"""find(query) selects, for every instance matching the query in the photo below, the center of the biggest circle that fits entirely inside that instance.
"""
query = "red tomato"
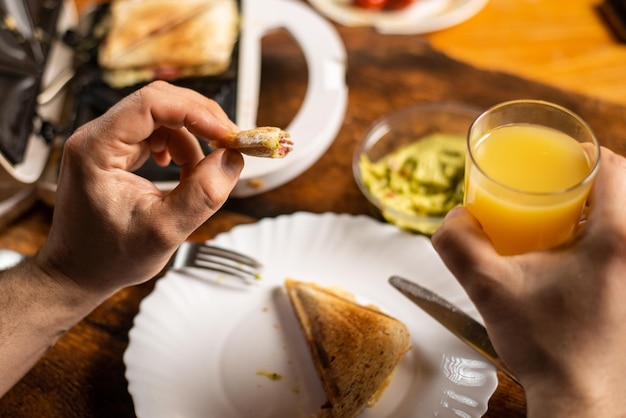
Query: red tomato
(370, 4)
(398, 4)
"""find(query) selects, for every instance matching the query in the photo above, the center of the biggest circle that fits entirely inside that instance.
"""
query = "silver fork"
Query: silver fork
(221, 260)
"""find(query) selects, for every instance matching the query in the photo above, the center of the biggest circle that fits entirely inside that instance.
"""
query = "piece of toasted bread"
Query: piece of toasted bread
(264, 141)
(355, 348)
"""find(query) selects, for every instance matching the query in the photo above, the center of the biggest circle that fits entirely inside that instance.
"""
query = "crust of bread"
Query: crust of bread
(355, 349)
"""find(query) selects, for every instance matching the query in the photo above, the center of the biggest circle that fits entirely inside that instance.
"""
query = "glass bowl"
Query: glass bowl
(410, 163)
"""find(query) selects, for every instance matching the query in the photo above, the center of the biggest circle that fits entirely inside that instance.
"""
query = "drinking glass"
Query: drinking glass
(530, 167)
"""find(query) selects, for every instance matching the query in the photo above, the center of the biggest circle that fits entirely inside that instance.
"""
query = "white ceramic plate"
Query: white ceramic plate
(421, 17)
(202, 345)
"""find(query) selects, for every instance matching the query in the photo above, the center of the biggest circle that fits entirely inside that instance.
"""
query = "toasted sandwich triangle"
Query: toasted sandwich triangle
(354, 348)
(140, 24)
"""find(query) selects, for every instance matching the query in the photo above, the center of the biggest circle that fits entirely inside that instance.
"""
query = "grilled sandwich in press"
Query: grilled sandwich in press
(167, 39)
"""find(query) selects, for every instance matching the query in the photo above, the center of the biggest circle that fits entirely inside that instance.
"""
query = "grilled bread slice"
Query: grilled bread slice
(355, 348)
(265, 141)
(167, 39)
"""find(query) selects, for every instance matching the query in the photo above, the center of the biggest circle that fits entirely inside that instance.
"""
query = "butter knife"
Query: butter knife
(459, 323)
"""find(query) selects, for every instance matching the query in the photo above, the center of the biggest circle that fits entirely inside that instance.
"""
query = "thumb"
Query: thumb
(465, 249)
(204, 190)
(608, 195)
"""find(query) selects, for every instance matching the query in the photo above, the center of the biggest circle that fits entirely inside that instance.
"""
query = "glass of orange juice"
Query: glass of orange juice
(530, 166)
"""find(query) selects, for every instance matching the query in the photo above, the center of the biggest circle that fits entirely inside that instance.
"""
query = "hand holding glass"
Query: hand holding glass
(530, 166)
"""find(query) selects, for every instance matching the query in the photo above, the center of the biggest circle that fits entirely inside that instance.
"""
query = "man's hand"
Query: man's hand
(112, 228)
(557, 317)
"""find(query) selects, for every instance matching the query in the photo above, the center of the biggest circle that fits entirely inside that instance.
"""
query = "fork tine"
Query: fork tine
(218, 262)
(229, 262)
(229, 254)
(221, 267)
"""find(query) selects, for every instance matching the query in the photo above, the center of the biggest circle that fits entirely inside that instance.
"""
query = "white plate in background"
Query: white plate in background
(423, 16)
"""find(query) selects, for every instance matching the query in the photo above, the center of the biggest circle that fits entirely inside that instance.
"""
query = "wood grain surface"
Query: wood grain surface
(83, 374)
(565, 44)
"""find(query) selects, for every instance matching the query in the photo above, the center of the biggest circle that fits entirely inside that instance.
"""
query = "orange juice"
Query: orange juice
(526, 185)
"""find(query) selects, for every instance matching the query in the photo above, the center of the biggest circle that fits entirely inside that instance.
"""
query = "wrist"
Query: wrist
(589, 399)
(45, 303)
(36, 308)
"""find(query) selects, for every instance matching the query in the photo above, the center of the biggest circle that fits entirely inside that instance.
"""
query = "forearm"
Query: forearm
(35, 310)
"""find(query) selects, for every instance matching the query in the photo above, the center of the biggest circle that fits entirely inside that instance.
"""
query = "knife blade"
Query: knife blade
(455, 320)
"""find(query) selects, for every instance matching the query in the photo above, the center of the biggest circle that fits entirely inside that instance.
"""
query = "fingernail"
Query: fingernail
(232, 163)
(454, 212)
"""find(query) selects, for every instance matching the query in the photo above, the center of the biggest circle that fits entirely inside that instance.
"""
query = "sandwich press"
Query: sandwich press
(33, 58)
(40, 73)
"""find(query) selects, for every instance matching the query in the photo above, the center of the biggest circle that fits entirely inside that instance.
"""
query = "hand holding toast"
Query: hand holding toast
(114, 214)
(112, 228)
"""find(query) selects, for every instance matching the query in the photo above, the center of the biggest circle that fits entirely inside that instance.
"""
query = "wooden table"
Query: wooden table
(83, 375)
(567, 45)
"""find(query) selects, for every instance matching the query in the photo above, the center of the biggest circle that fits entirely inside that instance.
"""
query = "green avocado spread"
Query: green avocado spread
(424, 178)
